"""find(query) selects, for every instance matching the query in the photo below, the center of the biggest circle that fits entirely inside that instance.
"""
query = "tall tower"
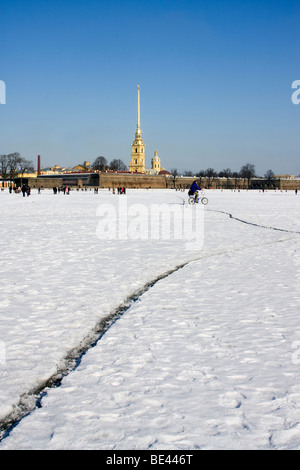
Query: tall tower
(155, 163)
(137, 163)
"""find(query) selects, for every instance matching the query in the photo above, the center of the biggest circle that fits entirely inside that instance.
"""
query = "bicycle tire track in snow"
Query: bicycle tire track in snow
(31, 400)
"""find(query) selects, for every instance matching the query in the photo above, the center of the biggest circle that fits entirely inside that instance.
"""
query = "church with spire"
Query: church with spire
(137, 163)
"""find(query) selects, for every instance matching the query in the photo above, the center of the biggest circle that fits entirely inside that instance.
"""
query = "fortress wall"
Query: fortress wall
(127, 180)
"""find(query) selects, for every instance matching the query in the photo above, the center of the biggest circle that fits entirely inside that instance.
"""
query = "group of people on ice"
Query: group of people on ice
(194, 190)
(119, 190)
(25, 190)
(63, 190)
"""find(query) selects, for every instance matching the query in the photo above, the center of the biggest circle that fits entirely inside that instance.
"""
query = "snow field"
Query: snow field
(206, 358)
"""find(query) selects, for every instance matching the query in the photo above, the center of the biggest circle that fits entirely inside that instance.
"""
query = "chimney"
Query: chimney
(39, 165)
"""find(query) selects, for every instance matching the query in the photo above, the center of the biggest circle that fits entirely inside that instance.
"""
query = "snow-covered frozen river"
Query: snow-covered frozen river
(207, 354)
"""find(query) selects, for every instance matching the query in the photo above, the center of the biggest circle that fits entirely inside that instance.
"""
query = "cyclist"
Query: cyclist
(194, 190)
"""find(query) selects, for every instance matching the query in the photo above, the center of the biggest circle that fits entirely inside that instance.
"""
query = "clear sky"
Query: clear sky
(215, 80)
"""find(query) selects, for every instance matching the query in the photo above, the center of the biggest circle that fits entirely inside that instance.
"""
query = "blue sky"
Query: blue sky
(215, 80)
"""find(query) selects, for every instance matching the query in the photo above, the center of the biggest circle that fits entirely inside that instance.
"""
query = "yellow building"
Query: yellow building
(155, 163)
(86, 166)
(137, 163)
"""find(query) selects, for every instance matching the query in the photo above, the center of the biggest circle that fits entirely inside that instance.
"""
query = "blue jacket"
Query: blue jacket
(195, 187)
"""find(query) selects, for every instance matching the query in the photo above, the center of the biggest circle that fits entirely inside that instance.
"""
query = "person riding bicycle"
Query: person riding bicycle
(194, 190)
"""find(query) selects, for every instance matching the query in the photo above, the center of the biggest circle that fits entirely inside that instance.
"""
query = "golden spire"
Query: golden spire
(138, 125)
(137, 163)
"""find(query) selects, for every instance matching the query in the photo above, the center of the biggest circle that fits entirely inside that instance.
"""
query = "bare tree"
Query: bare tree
(117, 165)
(247, 172)
(236, 176)
(210, 174)
(13, 164)
(226, 173)
(269, 175)
(4, 166)
(174, 172)
(100, 164)
(13, 160)
(25, 165)
(200, 175)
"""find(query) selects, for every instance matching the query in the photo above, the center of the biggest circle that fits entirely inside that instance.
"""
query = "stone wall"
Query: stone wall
(115, 180)
(289, 184)
(45, 183)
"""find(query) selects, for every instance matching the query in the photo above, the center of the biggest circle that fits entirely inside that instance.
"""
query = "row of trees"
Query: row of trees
(247, 172)
(101, 164)
(13, 164)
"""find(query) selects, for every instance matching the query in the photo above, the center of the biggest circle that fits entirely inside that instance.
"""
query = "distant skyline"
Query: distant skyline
(215, 80)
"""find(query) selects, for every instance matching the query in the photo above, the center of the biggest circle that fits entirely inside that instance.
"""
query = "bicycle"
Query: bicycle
(192, 199)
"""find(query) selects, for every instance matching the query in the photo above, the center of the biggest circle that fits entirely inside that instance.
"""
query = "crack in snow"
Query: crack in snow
(31, 400)
(252, 223)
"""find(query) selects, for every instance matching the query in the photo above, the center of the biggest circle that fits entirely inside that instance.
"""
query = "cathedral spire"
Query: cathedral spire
(138, 110)
(137, 163)
(138, 124)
